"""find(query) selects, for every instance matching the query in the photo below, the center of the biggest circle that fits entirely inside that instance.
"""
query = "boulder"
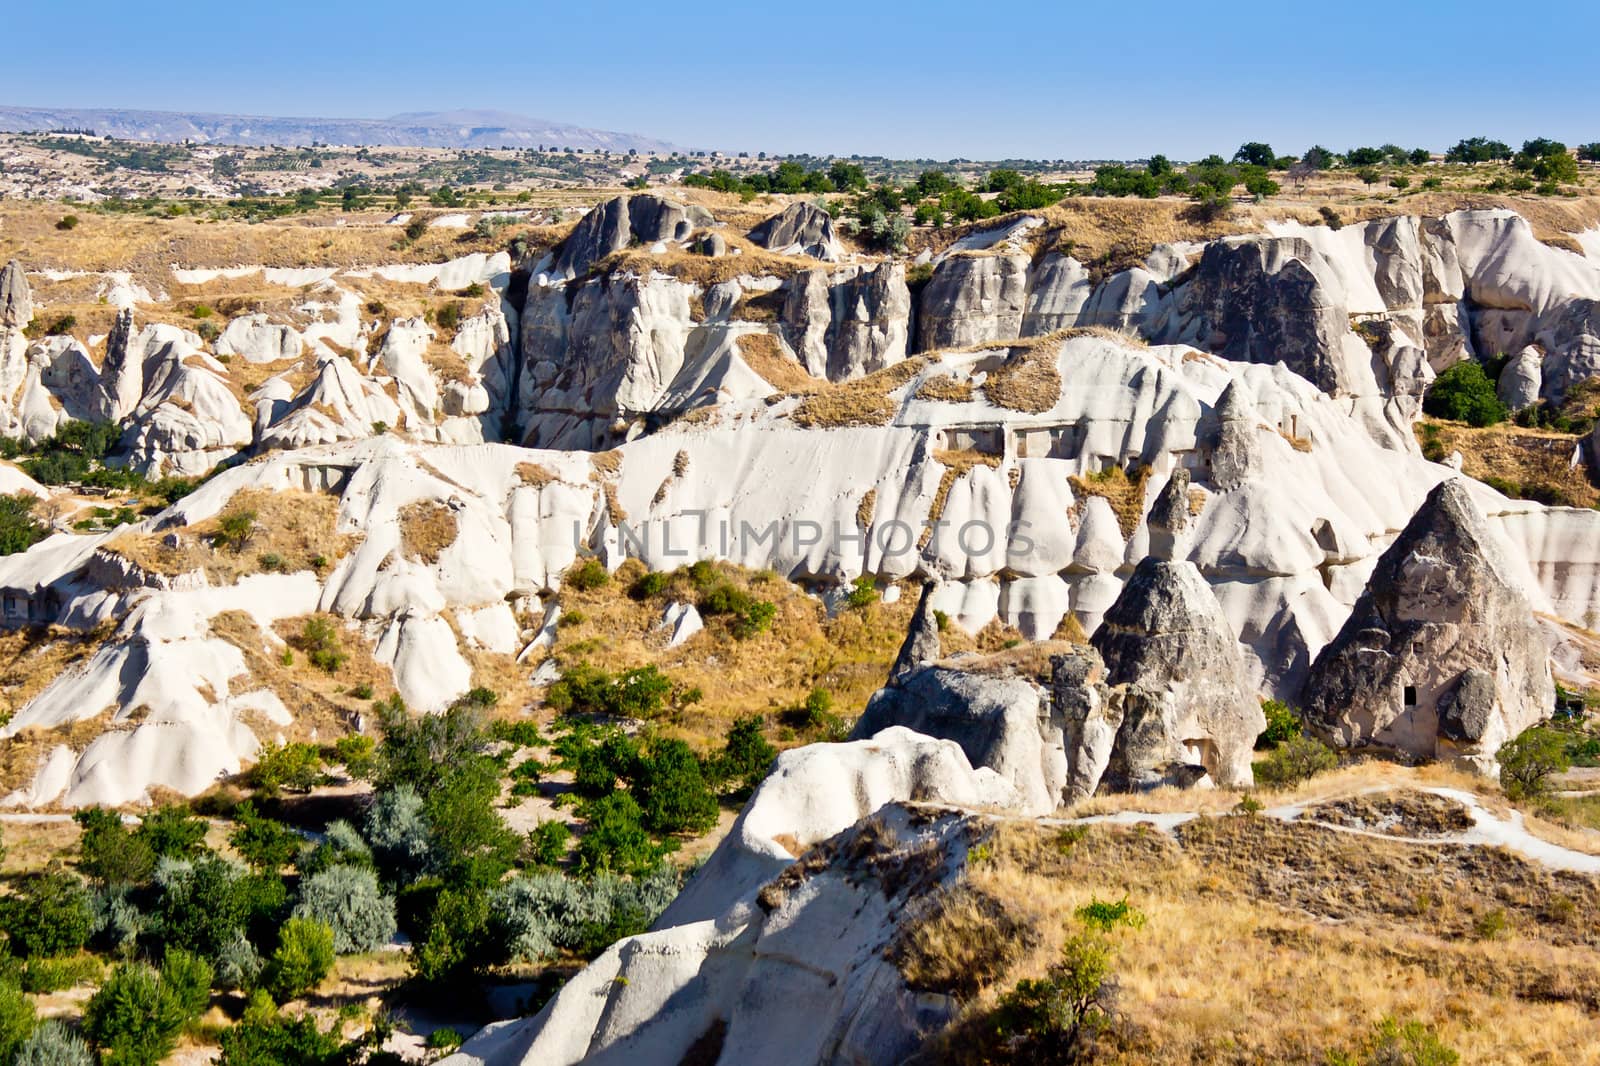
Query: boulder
(616, 224)
(1191, 703)
(1522, 379)
(802, 228)
(1442, 656)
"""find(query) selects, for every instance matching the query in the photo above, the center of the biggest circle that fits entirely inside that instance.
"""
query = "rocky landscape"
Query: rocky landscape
(1132, 496)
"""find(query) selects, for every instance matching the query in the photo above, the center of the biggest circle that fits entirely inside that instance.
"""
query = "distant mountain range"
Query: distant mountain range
(422, 129)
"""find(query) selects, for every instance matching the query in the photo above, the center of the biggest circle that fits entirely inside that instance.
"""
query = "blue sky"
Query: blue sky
(931, 79)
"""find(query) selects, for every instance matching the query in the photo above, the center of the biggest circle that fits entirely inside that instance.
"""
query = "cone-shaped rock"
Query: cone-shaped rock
(1166, 638)
(1442, 655)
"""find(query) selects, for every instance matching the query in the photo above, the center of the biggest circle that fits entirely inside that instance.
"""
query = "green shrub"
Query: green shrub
(52, 1044)
(201, 906)
(303, 957)
(348, 901)
(1105, 917)
(134, 1019)
(583, 689)
(341, 845)
(616, 840)
(1528, 762)
(547, 843)
(671, 790)
(234, 528)
(319, 639)
(263, 842)
(357, 754)
(294, 767)
(1283, 723)
(67, 222)
(588, 575)
(187, 978)
(1393, 1043)
(521, 734)
(47, 914)
(455, 932)
(279, 1040)
(173, 832)
(1464, 393)
(646, 586)
(45, 975)
(747, 615)
(108, 852)
(1297, 759)
(863, 593)
(17, 1018)
(443, 1039)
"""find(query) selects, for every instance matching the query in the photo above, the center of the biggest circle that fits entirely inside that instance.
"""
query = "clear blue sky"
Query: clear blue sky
(981, 80)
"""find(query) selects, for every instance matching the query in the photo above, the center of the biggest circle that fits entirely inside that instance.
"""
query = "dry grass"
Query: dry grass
(1124, 494)
(866, 509)
(763, 353)
(848, 655)
(1526, 463)
(32, 658)
(957, 464)
(22, 754)
(427, 528)
(536, 475)
(1271, 942)
(862, 402)
(296, 526)
(1027, 381)
(323, 705)
(945, 389)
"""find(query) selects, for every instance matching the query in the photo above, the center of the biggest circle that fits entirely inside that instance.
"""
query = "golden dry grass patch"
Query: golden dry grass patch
(298, 527)
(1517, 460)
(763, 353)
(864, 401)
(427, 528)
(1124, 494)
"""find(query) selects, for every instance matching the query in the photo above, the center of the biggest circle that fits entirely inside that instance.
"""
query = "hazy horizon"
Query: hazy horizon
(930, 81)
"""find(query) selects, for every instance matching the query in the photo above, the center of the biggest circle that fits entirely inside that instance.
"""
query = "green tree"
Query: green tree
(294, 767)
(1296, 759)
(1464, 393)
(263, 842)
(616, 839)
(746, 755)
(303, 957)
(671, 791)
(134, 1020)
(19, 530)
(1369, 176)
(1256, 154)
(47, 914)
(108, 852)
(187, 978)
(234, 528)
(1528, 762)
(1283, 723)
(173, 832)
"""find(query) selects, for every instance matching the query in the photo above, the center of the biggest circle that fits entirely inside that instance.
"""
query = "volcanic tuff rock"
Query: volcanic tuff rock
(736, 940)
(16, 300)
(802, 228)
(616, 224)
(1190, 700)
(1441, 655)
